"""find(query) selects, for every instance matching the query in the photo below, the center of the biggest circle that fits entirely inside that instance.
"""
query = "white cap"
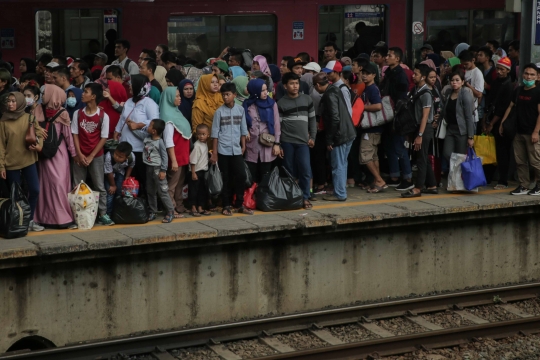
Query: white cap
(52, 65)
(313, 66)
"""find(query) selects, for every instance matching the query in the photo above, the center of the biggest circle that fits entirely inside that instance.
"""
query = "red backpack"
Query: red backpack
(357, 110)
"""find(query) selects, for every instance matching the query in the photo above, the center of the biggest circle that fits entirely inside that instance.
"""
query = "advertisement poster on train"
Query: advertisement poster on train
(298, 30)
(537, 27)
(7, 38)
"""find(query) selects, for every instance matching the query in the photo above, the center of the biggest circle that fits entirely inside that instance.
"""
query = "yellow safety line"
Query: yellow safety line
(257, 213)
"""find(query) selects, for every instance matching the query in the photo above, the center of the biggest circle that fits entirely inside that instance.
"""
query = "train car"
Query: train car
(202, 29)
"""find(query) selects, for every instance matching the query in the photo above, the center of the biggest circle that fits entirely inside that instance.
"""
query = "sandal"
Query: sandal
(375, 189)
(244, 210)
(178, 215)
(168, 218)
(152, 217)
(205, 213)
(307, 205)
(500, 187)
(362, 186)
(195, 214)
(227, 211)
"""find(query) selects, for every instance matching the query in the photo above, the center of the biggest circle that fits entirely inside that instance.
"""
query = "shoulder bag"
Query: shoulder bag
(30, 138)
(265, 139)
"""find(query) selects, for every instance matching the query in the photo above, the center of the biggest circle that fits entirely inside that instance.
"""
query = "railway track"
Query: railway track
(462, 309)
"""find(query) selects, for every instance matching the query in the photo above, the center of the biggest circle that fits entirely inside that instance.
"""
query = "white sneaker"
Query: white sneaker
(35, 227)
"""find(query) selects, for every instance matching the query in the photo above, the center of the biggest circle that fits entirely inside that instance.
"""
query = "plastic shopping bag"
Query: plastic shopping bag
(249, 197)
(214, 180)
(472, 171)
(455, 182)
(277, 192)
(130, 186)
(84, 205)
(484, 146)
(130, 210)
(14, 214)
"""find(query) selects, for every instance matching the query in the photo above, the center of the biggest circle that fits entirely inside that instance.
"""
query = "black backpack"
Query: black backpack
(404, 118)
(53, 141)
(352, 95)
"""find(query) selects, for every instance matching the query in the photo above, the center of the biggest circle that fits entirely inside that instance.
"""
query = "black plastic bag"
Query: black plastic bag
(278, 193)
(130, 210)
(14, 214)
(214, 181)
(249, 178)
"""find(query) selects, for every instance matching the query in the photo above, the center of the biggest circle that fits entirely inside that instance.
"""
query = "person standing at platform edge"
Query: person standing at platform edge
(423, 110)
(340, 133)
(526, 145)
(120, 51)
(298, 132)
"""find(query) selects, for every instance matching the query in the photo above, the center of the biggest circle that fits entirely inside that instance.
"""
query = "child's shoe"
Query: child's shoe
(168, 218)
(152, 216)
(105, 220)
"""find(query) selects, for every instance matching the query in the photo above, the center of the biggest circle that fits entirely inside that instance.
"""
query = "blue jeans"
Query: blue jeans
(30, 174)
(296, 161)
(118, 179)
(338, 160)
(398, 156)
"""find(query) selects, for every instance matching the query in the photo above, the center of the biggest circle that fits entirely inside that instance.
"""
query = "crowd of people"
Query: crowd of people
(164, 120)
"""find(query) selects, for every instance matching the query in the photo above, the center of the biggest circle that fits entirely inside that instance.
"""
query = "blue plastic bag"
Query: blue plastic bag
(472, 171)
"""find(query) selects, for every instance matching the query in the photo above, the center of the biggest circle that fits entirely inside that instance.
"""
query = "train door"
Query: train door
(355, 29)
(73, 32)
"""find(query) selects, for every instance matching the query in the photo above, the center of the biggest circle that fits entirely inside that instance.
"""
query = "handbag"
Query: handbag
(472, 171)
(484, 145)
(441, 130)
(265, 139)
(30, 138)
(378, 118)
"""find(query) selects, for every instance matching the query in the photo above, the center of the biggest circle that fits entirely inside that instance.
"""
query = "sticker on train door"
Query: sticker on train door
(298, 30)
(7, 38)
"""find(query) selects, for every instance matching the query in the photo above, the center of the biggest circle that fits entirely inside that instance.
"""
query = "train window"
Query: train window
(203, 37)
(446, 29)
(43, 33)
(341, 25)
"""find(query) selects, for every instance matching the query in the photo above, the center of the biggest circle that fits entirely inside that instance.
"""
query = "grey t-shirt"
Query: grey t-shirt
(425, 100)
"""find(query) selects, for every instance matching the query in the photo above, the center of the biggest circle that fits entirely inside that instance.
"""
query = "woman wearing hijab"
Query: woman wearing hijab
(241, 83)
(207, 101)
(53, 208)
(114, 96)
(177, 137)
(160, 75)
(16, 158)
(461, 47)
(187, 93)
(236, 71)
(27, 66)
(262, 117)
(74, 100)
(173, 77)
(137, 114)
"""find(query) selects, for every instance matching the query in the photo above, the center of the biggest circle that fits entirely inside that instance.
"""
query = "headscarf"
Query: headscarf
(141, 87)
(170, 113)
(436, 60)
(206, 100)
(503, 53)
(461, 47)
(187, 103)
(453, 61)
(430, 63)
(174, 76)
(241, 83)
(276, 74)
(159, 75)
(30, 66)
(263, 65)
(447, 54)
(265, 107)
(346, 60)
(237, 71)
(118, 93)
(79, 105)
(19, 111)
(53, 99)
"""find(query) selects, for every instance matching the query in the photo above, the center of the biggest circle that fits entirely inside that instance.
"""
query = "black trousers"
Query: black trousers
(139, 172)
(197, 190)
(234, 178)
(425, 175)
(258, 169)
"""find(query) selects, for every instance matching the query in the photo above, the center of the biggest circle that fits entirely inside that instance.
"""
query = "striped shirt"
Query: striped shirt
(297, 118)
(228, 126)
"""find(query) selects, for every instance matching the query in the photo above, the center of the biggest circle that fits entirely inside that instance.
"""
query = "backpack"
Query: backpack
(404, 118)
(357, 110)
(247, 55)
(53, 141)
(126, 65)
(351, 94)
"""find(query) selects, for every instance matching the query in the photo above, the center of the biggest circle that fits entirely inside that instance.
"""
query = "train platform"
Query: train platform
(360, 208)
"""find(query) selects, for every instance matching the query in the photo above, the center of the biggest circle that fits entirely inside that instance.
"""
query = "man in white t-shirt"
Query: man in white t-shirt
(474, 78)
(120, 50)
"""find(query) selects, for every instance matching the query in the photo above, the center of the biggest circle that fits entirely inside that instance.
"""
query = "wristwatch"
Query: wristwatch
(420, 134)
(471, 137)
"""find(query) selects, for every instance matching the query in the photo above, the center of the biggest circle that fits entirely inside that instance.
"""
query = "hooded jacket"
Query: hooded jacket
(337, 121)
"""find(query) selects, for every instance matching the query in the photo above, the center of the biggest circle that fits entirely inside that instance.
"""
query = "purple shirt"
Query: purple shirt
(254, 149)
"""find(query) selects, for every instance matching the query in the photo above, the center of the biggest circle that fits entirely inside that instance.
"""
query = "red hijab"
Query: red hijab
(118, 93)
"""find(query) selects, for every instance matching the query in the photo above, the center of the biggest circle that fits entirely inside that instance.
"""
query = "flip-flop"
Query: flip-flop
(411, 194)
(307, 205)
(205, 213)
(168, 218)
(244, 210)
(227, 211)
(195, 214)
(375, 189)
(178, 216)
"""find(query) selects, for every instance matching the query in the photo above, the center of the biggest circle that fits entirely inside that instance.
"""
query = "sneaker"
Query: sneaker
(404, 185)
(535, 191)
(73, 227)
(520, 190)
(105, 220)
(35, 227)
(393, 183)
(321, 191)
(332, 198)
(152, 216)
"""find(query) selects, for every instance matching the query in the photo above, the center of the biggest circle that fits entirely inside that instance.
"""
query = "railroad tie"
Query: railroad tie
(276, 344)
(222, 351)
(424, 323)
(467, 315)
(515, 310)
(326, 336)
(374, 328)
(162, 354)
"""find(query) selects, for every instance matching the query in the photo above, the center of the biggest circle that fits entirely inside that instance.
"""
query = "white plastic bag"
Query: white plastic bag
(455, 182)
(84, 206)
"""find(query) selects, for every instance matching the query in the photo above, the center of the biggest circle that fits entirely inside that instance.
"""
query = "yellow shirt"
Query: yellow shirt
(14, 154)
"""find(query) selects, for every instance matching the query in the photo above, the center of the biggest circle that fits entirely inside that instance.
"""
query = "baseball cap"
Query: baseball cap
(296, 61)
(221, 65)
(102, 56)
(370, 69)
(333, 66)
(505, 62)
(313, 66)
(52, 65)
(427, 46)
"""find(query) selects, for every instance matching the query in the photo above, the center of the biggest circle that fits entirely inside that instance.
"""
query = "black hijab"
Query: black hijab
(30, 66)
(175, 76)
(139, 85)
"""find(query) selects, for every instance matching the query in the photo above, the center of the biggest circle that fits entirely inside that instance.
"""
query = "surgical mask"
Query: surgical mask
(29, 101)
(528, 83)
(71, 102)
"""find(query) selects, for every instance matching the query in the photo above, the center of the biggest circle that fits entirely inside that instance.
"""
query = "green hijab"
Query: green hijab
(454, 61)
(170, 113)
(241, 84)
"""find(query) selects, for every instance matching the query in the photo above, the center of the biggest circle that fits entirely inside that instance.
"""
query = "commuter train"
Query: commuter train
(203, 28)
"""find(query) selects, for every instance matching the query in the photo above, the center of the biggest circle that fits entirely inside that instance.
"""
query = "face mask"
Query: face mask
(71, 102)
(29, 101)
(528, 83)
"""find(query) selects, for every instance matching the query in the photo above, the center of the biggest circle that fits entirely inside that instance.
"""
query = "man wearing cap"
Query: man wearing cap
(48, 72)
(100, 60)
(333, 69)
(312, 68)
(296, 66)
(220, 67)
(340, 132)
(425, 50)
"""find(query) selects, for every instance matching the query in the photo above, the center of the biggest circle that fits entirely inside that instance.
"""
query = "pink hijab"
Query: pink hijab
(261, 60)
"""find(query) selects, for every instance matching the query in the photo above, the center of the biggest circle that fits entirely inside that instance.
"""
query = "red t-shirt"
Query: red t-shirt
(89, 131)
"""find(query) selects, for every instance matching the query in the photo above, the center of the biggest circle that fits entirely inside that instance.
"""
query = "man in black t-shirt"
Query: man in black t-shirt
(526, 145)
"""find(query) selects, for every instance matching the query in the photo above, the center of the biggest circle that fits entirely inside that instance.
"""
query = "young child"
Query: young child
(90, 128)
(117, 167)
(198, 160)
(229, 131)
(156, 159)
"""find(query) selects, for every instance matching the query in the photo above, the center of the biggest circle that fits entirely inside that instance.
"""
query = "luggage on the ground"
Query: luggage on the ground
(276, 192)
(130, 186)
(484, 146)
(130, 210)
(14, 214)
(472, 171)
(455, 181)
(84, 204)
(214, 181)
(249, 197)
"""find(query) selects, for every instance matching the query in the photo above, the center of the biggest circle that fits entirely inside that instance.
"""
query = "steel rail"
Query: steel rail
(141, 344)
